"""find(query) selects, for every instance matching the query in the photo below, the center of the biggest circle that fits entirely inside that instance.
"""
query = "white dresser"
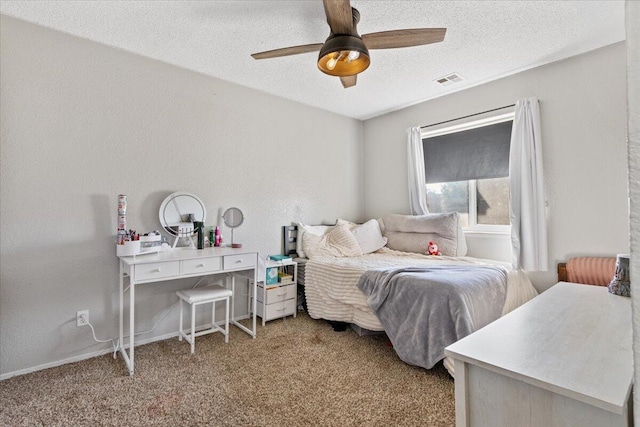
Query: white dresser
(562, 359)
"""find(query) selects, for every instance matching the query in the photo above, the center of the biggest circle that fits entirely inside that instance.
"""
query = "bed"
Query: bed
(332, 293)
(332, 279)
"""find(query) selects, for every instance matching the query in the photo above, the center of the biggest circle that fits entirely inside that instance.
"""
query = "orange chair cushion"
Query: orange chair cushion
(591, 270)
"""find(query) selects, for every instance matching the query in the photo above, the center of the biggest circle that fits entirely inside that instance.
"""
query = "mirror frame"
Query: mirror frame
(231, 211)
(173, 200)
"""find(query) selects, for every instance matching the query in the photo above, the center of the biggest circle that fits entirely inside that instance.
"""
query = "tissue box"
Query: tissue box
(272, 276)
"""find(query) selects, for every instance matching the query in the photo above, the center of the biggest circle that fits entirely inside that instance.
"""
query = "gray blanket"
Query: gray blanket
(423, 310)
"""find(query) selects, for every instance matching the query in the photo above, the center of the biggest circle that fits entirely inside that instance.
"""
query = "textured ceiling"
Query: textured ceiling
(485, 40)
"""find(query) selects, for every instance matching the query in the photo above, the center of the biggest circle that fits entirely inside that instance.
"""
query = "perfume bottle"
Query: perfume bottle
(217, 236)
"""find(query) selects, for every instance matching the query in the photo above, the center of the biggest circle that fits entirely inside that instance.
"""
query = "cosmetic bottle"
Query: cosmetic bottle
(217, 236)
(199, 227)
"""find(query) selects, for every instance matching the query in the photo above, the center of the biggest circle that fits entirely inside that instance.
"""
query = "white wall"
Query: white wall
(633, 105)
(583, 114)
(82, 122)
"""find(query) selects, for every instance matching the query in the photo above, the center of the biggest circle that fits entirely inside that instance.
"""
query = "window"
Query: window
(486, 210)
(467, 171)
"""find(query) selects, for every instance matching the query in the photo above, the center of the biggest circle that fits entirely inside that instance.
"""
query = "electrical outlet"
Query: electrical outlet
(82, 318)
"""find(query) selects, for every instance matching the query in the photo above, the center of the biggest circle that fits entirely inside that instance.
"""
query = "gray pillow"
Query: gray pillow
(412, 233)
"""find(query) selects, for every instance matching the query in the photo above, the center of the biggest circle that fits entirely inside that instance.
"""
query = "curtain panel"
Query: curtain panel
(415, 160)
(527, 204)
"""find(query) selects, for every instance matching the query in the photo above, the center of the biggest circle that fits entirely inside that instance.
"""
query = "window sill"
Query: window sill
(482, 233)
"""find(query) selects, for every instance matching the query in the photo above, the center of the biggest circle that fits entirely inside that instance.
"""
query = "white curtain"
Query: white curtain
(417, 187)
(527, 210)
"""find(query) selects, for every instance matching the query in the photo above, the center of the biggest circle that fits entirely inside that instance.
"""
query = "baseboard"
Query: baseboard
(101, 352)
(82, 357)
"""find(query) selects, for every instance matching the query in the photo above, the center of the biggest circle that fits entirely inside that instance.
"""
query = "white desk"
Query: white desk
(564, 358)
(178, 264)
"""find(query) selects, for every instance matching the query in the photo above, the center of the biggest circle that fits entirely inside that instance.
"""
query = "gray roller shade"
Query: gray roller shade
(478, 153)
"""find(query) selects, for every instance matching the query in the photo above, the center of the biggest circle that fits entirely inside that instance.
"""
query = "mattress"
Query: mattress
(331, 284)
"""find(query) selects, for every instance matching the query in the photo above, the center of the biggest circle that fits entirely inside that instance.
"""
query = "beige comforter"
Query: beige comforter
(331, 284)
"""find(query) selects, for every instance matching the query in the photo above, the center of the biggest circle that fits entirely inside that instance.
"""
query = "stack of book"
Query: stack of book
(279, 257)
(285, 279)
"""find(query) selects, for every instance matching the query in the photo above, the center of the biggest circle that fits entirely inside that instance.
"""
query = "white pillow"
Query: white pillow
(349, 224)
(369, 236)
(317, 230)
(338, 242)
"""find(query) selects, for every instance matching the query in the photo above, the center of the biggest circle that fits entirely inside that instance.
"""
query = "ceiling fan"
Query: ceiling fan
(346, 54)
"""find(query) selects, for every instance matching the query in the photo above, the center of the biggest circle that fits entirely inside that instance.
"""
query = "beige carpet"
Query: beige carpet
(296, 372)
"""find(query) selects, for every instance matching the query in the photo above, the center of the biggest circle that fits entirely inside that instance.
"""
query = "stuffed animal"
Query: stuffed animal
(432, 249)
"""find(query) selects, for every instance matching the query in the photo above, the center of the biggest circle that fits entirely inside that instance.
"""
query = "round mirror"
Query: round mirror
(233, 217)
(178, 212)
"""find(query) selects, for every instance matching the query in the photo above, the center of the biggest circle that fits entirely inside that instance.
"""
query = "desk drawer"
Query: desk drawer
(232, 262)
(201, 265)
(157, 270)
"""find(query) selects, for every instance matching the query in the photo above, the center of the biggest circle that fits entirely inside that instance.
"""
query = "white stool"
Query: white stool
(196, 297)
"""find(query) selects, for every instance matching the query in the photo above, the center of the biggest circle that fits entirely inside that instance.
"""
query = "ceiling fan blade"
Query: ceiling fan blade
(403, 38)
(339, 16)
(286, 51)
(349, 81)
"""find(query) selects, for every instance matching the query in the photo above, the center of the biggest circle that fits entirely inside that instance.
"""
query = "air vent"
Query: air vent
(449, 79)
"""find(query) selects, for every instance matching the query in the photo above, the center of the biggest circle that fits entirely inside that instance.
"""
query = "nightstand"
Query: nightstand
(277, 294)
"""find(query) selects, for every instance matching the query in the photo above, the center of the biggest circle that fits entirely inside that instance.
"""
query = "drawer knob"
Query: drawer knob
(200, 265)
(157, 270)
(281, 294)
(239, 261)
(280, 309)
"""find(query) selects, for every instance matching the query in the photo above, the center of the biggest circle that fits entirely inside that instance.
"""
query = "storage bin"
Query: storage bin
(130, 248)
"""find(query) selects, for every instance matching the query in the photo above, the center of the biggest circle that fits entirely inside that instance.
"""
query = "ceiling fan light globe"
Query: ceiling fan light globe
(343, 55)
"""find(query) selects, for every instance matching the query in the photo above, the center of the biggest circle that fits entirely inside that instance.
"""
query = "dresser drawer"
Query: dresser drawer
(276, 310)
(201, 265)
(239, 261)
(156, 270)
(278, 294)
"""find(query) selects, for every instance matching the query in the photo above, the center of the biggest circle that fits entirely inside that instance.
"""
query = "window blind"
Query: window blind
(478, 153)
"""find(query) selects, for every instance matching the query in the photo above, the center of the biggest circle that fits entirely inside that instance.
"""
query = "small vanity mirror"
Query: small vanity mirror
(232, 218)
(178, 213)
